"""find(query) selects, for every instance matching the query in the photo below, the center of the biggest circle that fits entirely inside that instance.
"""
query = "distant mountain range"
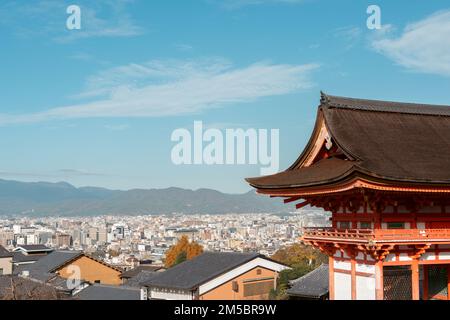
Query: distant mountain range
(63, 199)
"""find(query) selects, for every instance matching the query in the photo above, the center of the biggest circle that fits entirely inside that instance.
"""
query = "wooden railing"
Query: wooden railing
(417, 234)
(363, 235)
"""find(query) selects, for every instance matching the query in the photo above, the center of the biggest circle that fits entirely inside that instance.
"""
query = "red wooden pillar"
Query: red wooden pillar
(377, 220)
(425, 282)
(379, 289)
(331, 277)
(415, 279)
(353, 276)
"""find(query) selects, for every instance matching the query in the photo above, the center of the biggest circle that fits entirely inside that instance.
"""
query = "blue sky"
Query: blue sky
(97, 106)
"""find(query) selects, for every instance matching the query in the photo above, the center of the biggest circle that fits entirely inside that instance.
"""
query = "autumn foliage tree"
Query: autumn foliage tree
(302, 259)
(300, 254)
(181, 251)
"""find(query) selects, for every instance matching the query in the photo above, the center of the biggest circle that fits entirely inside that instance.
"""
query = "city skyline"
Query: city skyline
(149, 237)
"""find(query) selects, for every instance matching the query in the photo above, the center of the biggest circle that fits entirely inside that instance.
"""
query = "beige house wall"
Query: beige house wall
(6, 265)
(91, 270)
(226, 292)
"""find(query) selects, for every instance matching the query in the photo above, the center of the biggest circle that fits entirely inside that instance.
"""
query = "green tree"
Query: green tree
(181, 257)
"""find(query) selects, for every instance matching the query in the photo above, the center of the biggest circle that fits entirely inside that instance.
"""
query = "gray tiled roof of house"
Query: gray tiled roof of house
(35, 247)
(141, 278)
(135, 271)
(190, 274)
(19, 257)
(42, 269)
(311, 285)
(105, 292)
(4, 253)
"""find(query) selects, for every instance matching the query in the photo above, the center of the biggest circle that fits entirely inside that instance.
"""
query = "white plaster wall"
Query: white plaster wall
(444, 255)
(155, 294)
(365, 288)
(390, 257)
(343, 265)
(342, 286)
(404, 257)
(428, 256)
(366, 268)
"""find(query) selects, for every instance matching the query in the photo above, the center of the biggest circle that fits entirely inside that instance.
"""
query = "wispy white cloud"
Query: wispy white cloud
(349, 36)
(102, 18)
(172, 87)
(423, 46)
(183, 47)
(349, 33)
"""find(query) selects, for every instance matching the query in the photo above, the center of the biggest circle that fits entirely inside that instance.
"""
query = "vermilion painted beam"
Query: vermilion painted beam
(301, 205)
(291, 199)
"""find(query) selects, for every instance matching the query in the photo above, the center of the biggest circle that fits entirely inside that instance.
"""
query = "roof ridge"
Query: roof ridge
(384, 105)
(121, 287)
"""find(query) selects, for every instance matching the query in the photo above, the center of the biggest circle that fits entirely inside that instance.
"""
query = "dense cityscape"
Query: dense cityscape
(126, 241)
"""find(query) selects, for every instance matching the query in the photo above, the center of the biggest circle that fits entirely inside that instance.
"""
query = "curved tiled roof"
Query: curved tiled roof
(391, 142)
(324, 171)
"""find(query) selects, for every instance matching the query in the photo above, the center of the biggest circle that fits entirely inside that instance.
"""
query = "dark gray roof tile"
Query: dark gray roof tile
(43, 268)
(390, 142)
(135, 271)
(190, 274)
(5, 253)
(141, 278)
(311, 285)
(104, 292)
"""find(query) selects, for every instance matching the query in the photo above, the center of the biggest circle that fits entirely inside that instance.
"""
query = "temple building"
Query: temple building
(383, 170)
